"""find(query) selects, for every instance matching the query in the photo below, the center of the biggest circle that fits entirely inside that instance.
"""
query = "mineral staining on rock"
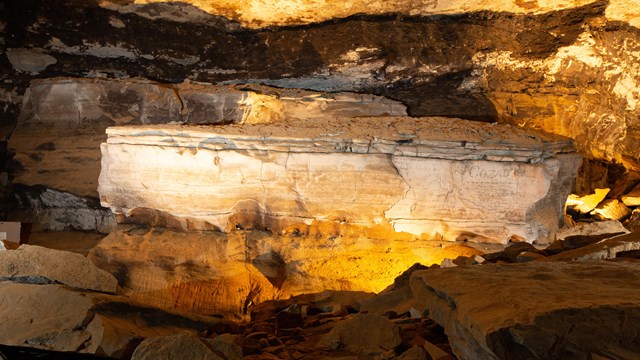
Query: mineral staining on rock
(440, 178)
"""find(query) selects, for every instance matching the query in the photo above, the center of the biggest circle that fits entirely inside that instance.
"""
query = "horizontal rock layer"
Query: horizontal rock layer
(557, 310)
(439, 177)
(63, 121)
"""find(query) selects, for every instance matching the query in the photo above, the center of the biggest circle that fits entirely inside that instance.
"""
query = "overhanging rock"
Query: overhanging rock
(435, 177)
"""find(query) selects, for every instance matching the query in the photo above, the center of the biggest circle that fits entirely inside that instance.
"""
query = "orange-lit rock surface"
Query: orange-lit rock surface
(217, 273)
(432, 177)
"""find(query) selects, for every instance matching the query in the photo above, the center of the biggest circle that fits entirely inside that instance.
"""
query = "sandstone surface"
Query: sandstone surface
(633, 197)
(64, 267)
(56, 317)
(440, 178)
(363, 332)
(228, 274)
(551, 310)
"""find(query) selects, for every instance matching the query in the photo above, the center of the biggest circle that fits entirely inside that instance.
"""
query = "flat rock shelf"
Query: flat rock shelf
(432, 177)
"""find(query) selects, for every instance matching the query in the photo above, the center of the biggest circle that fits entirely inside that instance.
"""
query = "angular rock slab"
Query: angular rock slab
(574, 310)
(62, 120)
(443, 178)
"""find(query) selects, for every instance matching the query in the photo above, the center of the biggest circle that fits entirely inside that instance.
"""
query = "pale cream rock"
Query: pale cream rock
(440, 178)
(624, 10)
(262, 13)
(611, 209)
(62, 121)
(62, 266)
(595, 228)
(535, 310)
(633, 197)
(584, 204)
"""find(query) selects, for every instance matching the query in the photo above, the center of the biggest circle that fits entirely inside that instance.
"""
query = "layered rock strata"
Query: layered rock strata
(435, 177)
(63, 120)
(535, 310)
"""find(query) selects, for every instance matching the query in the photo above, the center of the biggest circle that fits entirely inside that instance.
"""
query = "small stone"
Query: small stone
(633, 197)
(584, 204)
(611, 210)
(448, 263)
(633, 223)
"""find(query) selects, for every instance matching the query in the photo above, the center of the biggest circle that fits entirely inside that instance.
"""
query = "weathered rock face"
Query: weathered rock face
(33, 262)
(63, 121)
(567, 66)
(216, 273)
(441, 178)
(556, 310)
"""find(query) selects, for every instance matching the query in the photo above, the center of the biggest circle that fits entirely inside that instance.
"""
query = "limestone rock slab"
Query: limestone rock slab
(442, 178)
(64, 267)
(63, 120)
(604, 249)
(558, 310)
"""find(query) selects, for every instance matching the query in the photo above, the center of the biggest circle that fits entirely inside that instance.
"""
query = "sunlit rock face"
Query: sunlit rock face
(433, 177)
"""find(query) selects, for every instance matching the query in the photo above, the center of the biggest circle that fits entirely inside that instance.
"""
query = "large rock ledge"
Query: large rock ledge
(536, 310)
(436, 177)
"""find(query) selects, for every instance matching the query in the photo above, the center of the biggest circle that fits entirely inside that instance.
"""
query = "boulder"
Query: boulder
(632, 198)
(584, 204)
(182, 346)
(611, 209)
(491, 183)
(59, 266)
(551, 310)
(633, 223)
(363, 333)
(56, 317)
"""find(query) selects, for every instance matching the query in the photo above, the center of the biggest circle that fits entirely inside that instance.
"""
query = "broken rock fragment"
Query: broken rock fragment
(435, 177)
(557, 310)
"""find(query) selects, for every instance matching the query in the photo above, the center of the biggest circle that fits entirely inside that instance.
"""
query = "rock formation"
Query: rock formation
(549, 310)
(440, 178)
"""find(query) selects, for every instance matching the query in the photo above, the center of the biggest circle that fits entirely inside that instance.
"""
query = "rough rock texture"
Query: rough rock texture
(51, 210)
(179, 347)
(59, 266)
(594, 228)
(215, 273)
(605, 249)
(552, 310)
(633, 197)
(441, 178)
(568, 66)
(364, 331)
(63, 121)
(58, 318)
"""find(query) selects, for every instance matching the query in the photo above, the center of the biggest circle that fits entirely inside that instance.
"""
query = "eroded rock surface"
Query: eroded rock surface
(227, 274)
(56, 317)
(63, 267)
(551, 310)
(440, 178)
(62, 121)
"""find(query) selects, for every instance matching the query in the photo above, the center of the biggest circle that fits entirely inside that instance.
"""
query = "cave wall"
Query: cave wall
(567, 66)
